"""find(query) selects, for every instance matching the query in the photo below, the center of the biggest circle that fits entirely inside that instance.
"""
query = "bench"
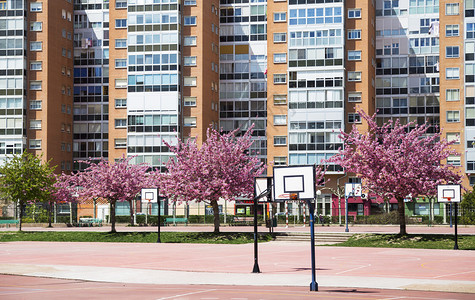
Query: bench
(8, 222)
(243, 221)
(175, 221)
(89, 222)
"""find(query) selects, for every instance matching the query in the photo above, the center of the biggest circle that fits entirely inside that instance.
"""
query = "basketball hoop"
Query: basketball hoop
(289, 196)
(448, 198)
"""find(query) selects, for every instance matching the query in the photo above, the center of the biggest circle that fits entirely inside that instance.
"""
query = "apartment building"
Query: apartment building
(84, 79)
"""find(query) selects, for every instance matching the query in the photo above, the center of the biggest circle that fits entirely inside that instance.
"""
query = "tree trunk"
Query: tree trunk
(402, 216)
(214, 204)
(131, 213)
(50, 211)
(112, 216)
(21, 214)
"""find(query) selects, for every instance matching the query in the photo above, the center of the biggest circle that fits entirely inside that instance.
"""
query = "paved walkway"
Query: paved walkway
(281, 263)
(414, 229)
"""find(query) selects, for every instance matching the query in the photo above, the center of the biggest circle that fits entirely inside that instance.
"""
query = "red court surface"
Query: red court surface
(16, 287)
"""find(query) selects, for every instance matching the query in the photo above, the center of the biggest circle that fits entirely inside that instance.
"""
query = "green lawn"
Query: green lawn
(134, 237)
(423, 241)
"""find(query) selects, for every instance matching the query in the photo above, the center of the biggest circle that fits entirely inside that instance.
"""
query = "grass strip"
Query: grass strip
(135, 237)
(421, 241)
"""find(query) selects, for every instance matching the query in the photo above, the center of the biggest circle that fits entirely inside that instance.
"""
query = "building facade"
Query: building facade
(85, 79)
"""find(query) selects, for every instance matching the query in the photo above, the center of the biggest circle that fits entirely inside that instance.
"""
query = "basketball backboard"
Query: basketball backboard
(261, 184)
(149, 195)
(294, 181)
(447, 193)
(352, 189)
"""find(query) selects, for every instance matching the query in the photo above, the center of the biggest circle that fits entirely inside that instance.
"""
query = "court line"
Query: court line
(440, 276)
(188, 294)
(356, 268)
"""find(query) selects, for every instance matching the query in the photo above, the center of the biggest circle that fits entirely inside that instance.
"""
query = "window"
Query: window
(354, 34)
(280, 37)
(190, 2)
(354, 97)
(451, 51)
(120, 103)
(354, 55)
(63, 14)
(280, 120)
(280, 78)
(280, 58)
(354, 76)
(190, 60)
(453, 137)
(189, 101)
(36, 6)
(451, 9)
(120, 123)
(190, 20)
(36, 46)
(121, 43)
(354, 118)
(35, 144)
(37, 26)
(280, 140)
(452, 73)
(280, 17)
(189, 81)
(35, 104)
(354, 13)
(190, 41)
(453, 116)
(453, 160)
(120, 143)
(121, 23)
(35, 85)
(69, 16)
(280, 99)
(280, 160)
(452, 30)
(189, 121)
(121, 83)
(120, 3)
(36, 65)
(452, 95)
(121, 63)
(35, 124)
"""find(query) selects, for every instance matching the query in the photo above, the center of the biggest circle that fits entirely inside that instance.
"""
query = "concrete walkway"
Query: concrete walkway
(281, 263)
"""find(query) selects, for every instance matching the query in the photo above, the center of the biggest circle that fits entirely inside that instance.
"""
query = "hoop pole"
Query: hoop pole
(158, 216)
(313, 284)
(255, 269)
(456, 246)
(304, 213)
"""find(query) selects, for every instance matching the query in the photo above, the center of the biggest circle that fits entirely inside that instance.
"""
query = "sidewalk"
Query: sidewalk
(281, 263)
(411, 229)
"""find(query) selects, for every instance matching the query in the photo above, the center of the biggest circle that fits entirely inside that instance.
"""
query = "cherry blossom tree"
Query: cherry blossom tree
(220, 169)
(395, 160)
(113, 181)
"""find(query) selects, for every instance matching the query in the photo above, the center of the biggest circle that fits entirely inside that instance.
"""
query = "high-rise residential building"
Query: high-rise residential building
(135, 73)
(36, 80)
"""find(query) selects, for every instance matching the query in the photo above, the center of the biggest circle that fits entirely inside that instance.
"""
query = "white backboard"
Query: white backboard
(261, 185)
(352, 189)
(448, 191)
(149, 195)
(294, 180)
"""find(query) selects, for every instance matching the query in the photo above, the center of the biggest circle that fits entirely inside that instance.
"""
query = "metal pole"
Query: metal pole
(456, 246)
(158, 216)
(313, 284)
(450, 213)
(346, 214)
(255, 269)
(286, 215)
